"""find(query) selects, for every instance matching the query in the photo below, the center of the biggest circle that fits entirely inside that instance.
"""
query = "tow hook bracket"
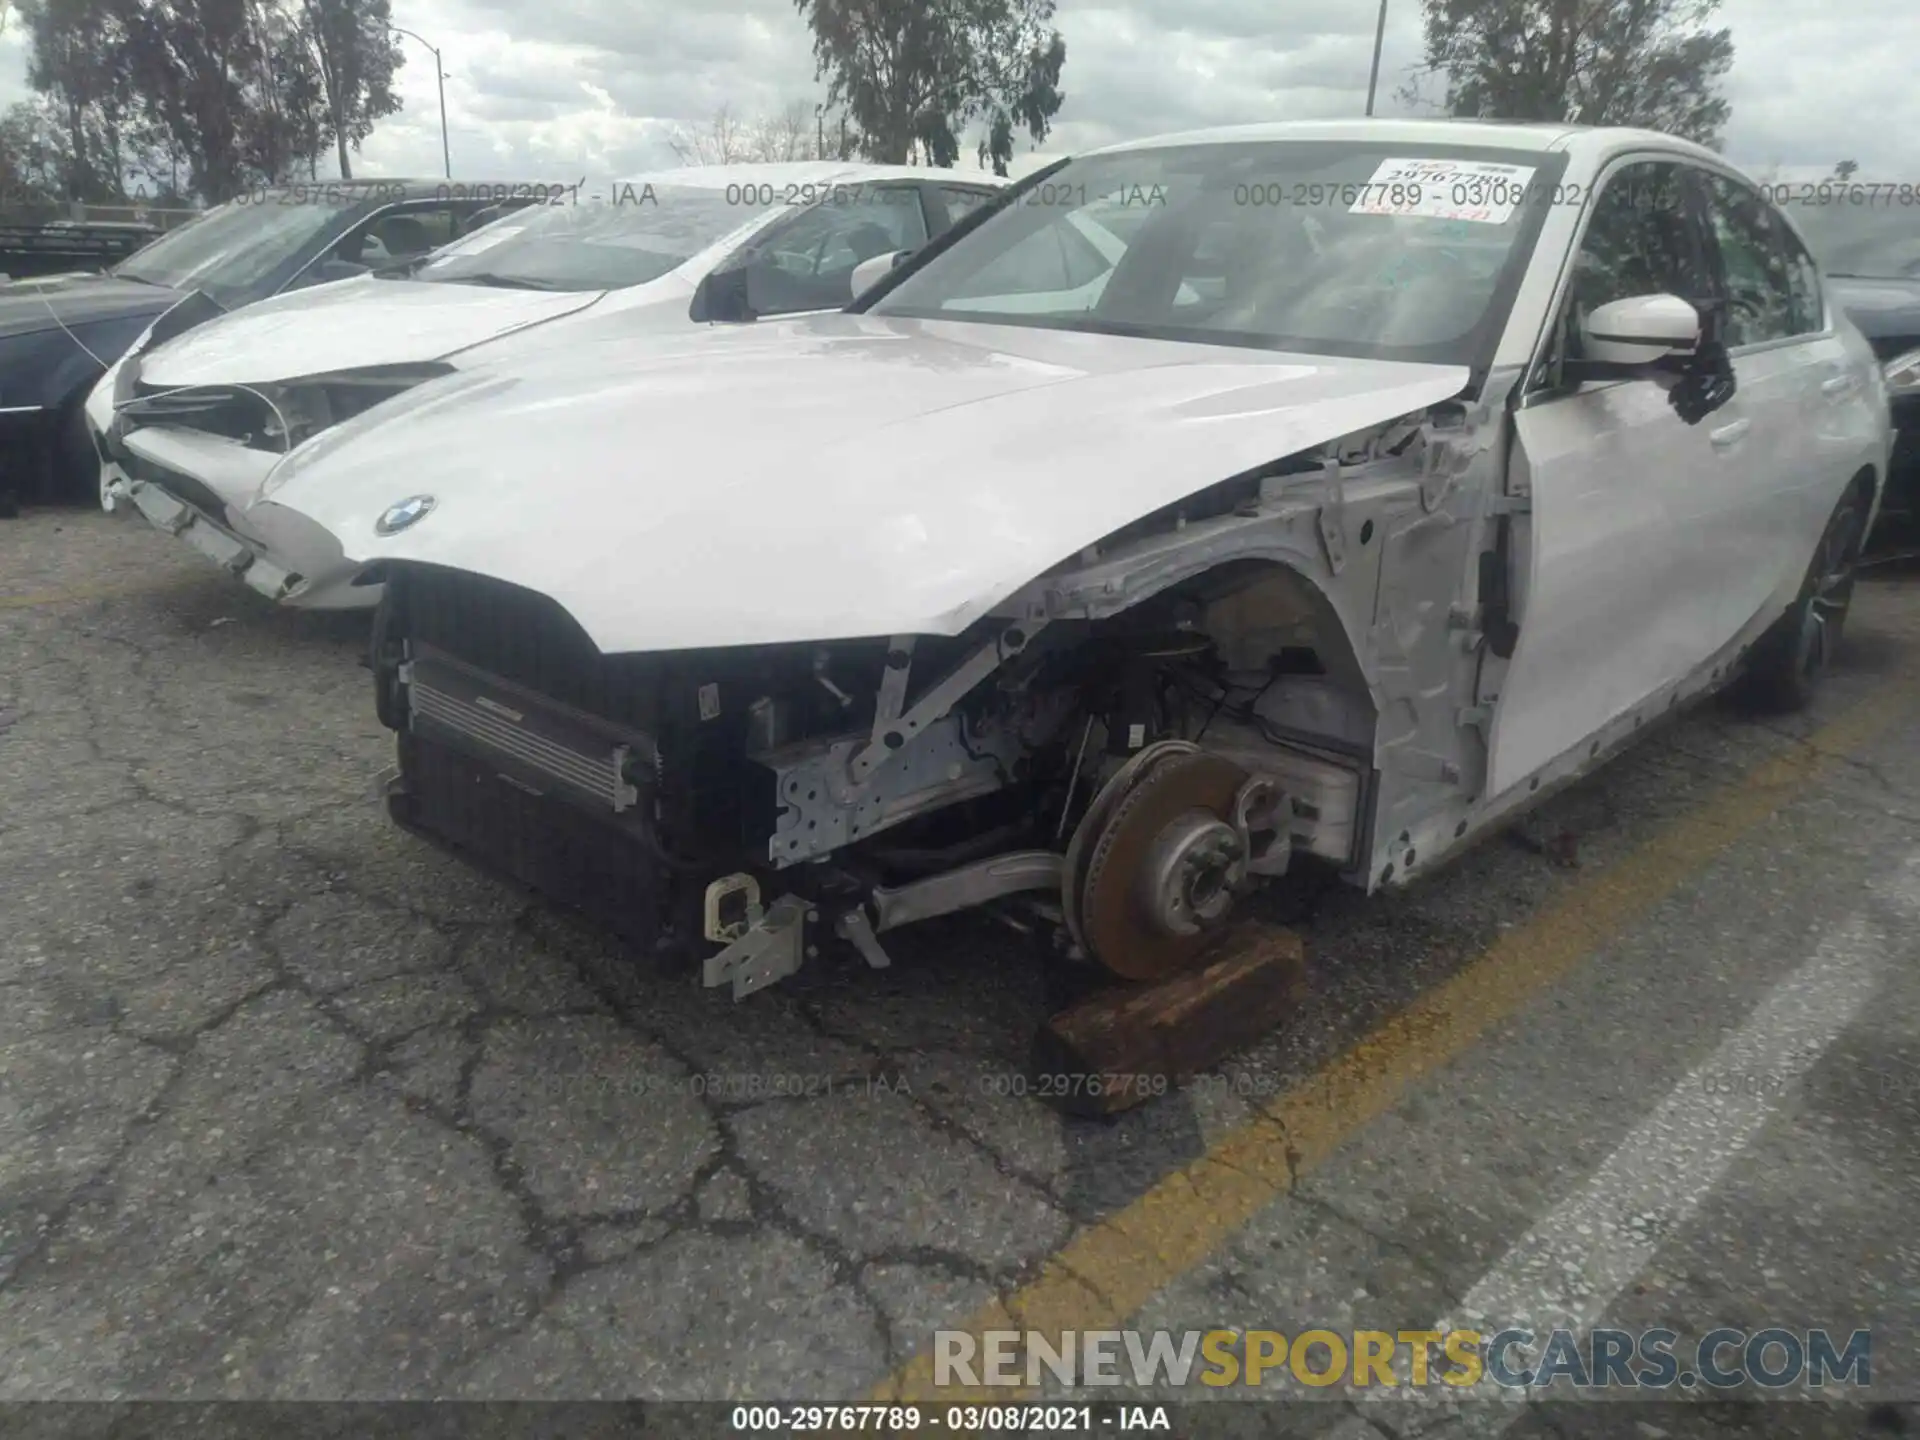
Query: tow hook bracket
(773, 947)
(854, 926)
(718, 925)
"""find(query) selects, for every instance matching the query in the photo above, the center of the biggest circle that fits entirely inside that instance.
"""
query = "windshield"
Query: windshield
(1335, 248)
(231, 249)
(644, 232)
(1870, 241)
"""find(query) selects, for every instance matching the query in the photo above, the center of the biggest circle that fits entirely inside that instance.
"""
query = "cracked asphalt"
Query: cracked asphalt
(294, 1107)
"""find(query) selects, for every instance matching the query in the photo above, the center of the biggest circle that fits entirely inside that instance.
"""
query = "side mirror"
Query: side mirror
(721, 298)
(868, 273)
(1640, 330)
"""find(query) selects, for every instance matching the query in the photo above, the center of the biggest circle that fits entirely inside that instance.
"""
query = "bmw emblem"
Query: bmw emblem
(396, 518)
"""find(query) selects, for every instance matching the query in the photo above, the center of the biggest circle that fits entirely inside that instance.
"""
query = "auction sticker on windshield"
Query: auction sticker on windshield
(1445, 190)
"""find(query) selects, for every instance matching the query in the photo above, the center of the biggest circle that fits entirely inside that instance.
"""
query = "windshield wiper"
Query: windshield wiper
(505, 282)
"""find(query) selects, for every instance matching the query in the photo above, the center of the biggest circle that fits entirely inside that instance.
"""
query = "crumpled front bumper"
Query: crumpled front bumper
(217, 543)
(195, 487)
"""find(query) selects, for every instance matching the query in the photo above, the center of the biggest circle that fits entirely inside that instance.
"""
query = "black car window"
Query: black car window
(1760, 299)
(1808, 308)
(1641, 240)
(239, 251)
(807, 263)
(416, 230)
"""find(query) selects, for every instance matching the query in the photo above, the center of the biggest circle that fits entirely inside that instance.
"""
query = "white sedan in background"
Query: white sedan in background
(1389, 475)
(189, 430)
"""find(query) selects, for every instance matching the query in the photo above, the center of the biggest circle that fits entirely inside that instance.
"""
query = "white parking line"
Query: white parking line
(1566, 1270)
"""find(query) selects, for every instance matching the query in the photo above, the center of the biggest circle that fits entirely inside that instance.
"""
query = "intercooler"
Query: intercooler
(557, 850)
(522, 746)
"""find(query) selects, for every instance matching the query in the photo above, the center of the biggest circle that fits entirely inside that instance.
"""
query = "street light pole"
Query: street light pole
(440, 76)
(1379, 35)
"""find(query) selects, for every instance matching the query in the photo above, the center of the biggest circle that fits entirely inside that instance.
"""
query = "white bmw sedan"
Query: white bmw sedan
(1220, 506)
(190, 428)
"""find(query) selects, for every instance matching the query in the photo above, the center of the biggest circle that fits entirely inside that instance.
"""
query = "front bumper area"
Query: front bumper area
(217, 543)
(181, 482)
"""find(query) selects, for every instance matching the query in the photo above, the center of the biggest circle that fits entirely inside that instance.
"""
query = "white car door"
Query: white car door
(1629, 560)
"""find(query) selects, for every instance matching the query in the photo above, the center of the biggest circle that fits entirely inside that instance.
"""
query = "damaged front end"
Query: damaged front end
(193, 459)
(1116, 755)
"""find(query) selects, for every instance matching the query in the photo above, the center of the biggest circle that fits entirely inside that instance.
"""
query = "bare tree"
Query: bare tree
(797, 131)
(786, 135)
(723, 142)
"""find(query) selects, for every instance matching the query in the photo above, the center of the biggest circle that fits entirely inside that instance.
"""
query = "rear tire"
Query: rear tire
(73, 471)
(1790, 660)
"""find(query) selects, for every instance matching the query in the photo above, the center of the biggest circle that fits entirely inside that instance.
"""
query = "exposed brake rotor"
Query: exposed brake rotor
(1103, 804)
(1163, 868)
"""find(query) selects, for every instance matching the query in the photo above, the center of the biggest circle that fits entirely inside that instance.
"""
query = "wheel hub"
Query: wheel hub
(1190, 873)
(1161, 871)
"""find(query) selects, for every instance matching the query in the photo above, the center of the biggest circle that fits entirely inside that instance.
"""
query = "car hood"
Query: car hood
(349, 325)
(1882, 309)
(817, 479)
(48, 301)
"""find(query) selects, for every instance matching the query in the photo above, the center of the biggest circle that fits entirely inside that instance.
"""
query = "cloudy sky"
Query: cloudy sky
(554, 89)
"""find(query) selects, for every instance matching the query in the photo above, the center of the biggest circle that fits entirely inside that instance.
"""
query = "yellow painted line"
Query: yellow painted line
(1109, 1271)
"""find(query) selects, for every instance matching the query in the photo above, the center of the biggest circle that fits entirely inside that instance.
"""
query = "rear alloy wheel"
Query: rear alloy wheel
(1791, 658)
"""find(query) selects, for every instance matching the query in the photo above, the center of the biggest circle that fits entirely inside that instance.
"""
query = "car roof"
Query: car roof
(1591, 142)
(804, 172)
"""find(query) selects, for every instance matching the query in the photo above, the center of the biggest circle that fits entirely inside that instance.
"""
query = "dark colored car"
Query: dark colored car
(60, 333)
(1871, 253)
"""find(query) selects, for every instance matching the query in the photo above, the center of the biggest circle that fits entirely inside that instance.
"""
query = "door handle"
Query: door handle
(1730, 434)
(1838, 385)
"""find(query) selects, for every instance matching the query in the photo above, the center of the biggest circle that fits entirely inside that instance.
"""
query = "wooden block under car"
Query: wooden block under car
(1113, 1050)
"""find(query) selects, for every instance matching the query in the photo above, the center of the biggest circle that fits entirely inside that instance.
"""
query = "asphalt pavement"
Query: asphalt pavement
(294, 1107)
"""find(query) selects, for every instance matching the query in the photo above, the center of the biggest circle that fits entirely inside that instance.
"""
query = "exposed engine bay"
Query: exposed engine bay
(1119, 782)
(274, 417)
